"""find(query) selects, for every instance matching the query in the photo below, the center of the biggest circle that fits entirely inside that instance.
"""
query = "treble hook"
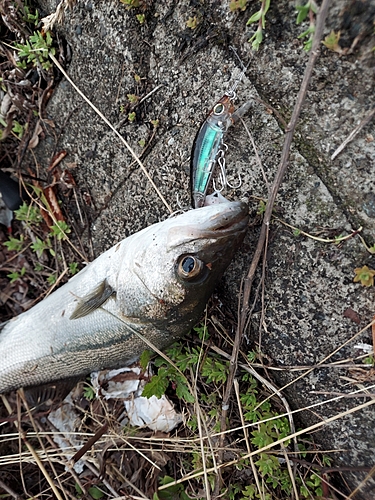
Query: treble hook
(231, 185)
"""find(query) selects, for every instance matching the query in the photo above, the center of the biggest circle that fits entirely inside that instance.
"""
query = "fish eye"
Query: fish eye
(219, 109)
(189, 267)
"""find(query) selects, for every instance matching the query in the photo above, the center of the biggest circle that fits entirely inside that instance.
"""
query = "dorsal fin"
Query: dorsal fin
(93, 300)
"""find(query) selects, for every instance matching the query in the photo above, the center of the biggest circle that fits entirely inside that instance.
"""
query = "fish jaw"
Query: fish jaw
(214, 222)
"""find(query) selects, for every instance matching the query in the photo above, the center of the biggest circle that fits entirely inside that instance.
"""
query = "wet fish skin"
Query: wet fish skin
(143, 284)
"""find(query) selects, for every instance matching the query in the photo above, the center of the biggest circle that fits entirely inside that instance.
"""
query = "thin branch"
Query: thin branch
(243, 314)
(323, 11)
(351, 136)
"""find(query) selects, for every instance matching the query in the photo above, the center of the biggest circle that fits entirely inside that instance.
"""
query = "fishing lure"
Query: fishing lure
(209, 148)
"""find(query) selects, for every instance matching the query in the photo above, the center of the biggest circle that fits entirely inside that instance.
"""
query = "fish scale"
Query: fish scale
(139, 287)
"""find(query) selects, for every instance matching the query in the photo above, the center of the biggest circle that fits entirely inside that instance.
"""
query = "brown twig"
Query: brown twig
(283, 162)
(243, 313)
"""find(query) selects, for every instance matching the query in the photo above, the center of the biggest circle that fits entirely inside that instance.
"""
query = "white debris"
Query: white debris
(365, 347)
(126, 383)
(156, 413)
(121, 383)
(67, 421)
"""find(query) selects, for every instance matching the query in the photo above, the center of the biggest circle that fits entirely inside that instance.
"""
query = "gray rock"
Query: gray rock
(309, 284)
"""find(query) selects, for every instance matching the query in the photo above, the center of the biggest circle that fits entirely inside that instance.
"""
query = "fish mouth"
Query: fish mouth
(234, 219)
(215, 223)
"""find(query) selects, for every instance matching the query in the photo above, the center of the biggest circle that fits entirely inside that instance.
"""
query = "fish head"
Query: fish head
(179, 262)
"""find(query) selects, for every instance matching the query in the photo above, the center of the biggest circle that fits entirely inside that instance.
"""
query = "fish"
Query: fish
(149, 289)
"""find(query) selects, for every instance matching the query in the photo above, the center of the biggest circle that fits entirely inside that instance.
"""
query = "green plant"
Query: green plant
(14, 244)
(369, 360)
(260, 18)
(192, 22)
(365, 275)
(89, 392)
(93, 491)
(331, 41)
(28, 17)
(269, 426)
(73, 268)
(132, 98)
(261, 208)
(36, 50)
(18, 129)
(315, 485)
(131, 117)
(184, 358)
(131, 4)
(308, 9)
(60, 230)
(38, 246)
(30, 215)
(52, 278)
(237, 5)
(15, 275)
(174, 492)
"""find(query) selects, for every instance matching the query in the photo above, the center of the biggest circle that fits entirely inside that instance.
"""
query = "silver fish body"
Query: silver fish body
(154, 283)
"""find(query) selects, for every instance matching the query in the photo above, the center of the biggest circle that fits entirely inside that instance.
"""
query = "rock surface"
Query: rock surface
(312, 306)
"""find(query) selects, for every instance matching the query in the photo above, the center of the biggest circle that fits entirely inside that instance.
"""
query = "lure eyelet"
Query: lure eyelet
(189, 267)
(219, 109)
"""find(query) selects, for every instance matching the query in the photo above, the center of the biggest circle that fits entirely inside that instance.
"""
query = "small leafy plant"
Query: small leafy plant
(36, 50)
(41, 244)
(365, 275)
(174, 492)
(212, 372)
(308, 9)
(238, 5)
(260, 18)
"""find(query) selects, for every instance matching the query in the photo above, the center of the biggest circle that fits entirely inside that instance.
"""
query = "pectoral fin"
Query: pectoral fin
(93, 300)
